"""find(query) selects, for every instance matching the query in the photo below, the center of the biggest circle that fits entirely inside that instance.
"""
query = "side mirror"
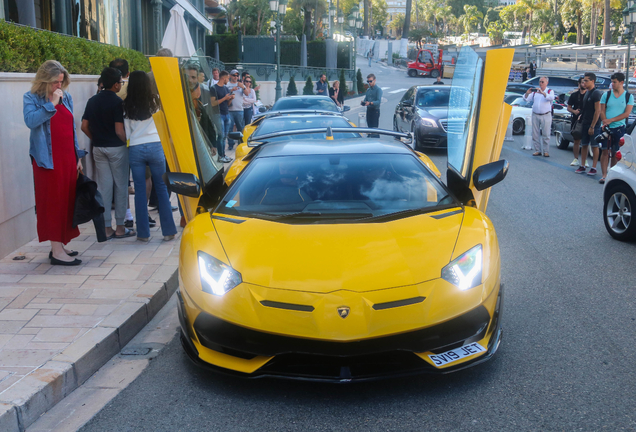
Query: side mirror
(185, 184)
(407, 103)
(490, 174)
(262, 109)
(238, 136)
(346, 108)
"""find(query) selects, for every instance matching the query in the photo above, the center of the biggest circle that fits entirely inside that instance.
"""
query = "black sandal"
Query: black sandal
(75, 262)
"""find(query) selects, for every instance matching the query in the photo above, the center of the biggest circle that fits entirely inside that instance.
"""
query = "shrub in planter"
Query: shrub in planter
(291, 87)
(361, 83)
(309, 87)
(343, 82)
(24, 49)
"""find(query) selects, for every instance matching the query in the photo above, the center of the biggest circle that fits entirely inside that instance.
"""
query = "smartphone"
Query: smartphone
(534, 90)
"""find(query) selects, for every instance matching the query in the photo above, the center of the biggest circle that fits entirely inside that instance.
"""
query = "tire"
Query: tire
(434, 73)
(562, 143)
(619, 204)
(395, 126)
(412, 73)
(415, 141)
(518, 126)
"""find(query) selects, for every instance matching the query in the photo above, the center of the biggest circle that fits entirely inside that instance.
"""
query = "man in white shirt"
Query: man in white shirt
(541, 116)
(236, 105)
(215, 77)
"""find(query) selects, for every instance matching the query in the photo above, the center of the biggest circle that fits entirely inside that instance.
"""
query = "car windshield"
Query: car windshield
(427, 98)
(308, 103)
(337, 187)
(286, 123)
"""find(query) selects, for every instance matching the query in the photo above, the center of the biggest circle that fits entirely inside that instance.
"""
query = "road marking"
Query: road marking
(385, 88)
(398, 90)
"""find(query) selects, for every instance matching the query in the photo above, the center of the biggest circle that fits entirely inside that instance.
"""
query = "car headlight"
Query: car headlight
(428, 122)
(217, 277)
(465, 271)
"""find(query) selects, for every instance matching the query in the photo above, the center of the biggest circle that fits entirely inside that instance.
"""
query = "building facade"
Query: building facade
(136, 24)
(394, 8)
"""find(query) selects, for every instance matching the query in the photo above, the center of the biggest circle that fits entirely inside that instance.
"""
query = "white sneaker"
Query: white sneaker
(587, 164)
(575, 162)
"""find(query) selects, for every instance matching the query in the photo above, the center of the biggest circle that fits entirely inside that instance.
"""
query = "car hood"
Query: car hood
(439, 113)
(357, 257)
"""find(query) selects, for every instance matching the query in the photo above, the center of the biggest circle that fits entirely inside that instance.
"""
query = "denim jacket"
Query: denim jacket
(37, 116)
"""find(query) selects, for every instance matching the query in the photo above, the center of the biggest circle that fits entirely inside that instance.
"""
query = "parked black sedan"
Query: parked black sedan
(423, 110)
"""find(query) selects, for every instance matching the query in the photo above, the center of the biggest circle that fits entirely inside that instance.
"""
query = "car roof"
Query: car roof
(297, 147)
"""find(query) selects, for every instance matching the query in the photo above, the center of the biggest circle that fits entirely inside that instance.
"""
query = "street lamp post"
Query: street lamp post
(629, 22)
(279, 7)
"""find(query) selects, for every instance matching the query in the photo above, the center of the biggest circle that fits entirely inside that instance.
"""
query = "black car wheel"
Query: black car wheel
(562, 143)
(617, 212)
(412, 73)
(416, 144)
(434, 73)
(395, 126)
(518, 126)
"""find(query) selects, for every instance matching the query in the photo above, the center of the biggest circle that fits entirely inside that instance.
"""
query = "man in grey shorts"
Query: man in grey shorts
(591, 118)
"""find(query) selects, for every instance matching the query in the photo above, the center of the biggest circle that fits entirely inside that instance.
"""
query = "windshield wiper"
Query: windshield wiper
(409, 212)
(271, 216)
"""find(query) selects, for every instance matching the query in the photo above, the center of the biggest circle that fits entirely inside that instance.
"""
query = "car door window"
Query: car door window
(462, 110)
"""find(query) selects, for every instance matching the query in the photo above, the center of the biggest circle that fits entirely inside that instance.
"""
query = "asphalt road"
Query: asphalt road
(566, 362)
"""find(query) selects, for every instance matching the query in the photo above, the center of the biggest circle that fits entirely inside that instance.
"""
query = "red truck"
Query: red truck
(425, 64)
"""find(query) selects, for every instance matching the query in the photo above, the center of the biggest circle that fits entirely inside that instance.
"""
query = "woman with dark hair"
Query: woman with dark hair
(145, 150)
(55, 155)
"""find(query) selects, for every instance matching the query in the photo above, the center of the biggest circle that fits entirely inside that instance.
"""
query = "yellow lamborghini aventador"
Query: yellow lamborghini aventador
(344, 259)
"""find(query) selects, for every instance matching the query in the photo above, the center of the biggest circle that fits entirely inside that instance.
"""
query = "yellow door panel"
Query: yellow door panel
(489, 139)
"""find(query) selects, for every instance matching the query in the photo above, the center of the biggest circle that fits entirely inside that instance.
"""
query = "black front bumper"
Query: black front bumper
(304, 359)
(430, 140)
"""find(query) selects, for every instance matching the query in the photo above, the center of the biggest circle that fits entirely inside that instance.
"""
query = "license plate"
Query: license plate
(456, 354)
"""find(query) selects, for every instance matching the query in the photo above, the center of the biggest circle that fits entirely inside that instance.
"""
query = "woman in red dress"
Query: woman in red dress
(55, 155)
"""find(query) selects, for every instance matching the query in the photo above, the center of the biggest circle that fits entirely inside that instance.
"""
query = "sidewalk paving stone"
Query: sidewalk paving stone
(59, 325)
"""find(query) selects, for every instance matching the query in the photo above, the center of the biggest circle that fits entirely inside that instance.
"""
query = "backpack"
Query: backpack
(609, 93)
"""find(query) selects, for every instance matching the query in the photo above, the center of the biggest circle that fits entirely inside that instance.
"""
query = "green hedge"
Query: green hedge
(316, 53)
(24, 49)
(228, 47)
(290, 53)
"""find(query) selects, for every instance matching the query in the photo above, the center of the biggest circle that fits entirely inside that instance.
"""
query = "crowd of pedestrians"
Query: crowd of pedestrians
(598, 121)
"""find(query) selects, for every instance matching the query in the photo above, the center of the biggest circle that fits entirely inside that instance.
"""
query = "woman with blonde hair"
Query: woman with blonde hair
(55, 156)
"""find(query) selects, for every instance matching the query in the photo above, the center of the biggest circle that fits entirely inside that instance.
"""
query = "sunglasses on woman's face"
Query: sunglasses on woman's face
(248, 82)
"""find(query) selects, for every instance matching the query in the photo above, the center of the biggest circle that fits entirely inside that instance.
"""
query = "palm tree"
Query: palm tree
(607, 34)
(471, 18)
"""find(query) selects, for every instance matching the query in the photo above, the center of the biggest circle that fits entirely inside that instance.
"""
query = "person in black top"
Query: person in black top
(103, 123)
(591, 119)
(336, 94)
(575, 103)
(438, 81)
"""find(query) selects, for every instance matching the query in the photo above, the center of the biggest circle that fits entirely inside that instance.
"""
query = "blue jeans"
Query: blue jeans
(139, 156)
(247, 115)
(236, 118)
(225, 129)
(370, 61)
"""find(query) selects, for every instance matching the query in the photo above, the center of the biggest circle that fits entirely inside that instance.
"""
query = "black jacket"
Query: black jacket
(89, 205)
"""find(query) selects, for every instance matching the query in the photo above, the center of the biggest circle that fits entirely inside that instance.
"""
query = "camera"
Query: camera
(605, 133)
(362, 103)
(534, 90)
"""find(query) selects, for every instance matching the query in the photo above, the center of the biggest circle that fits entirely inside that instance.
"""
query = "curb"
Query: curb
(25, 402)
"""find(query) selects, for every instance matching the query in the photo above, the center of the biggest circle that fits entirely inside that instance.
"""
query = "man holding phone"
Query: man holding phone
(542, 98)
(372, 100)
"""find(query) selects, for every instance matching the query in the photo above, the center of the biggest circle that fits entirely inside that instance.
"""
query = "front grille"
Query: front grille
(444, 124)
(456, 125)
(219, 335)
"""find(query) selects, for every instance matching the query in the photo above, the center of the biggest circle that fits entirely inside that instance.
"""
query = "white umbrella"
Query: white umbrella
(177, 36)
